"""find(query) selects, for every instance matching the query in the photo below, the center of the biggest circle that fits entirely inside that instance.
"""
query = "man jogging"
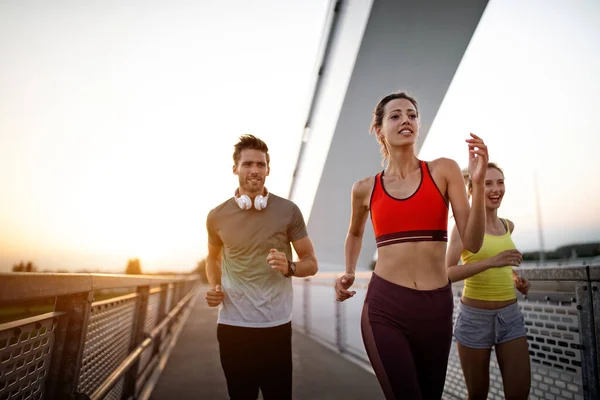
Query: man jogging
(250, 268)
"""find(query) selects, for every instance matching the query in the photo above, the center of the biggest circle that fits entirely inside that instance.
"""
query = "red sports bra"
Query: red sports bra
(421, 217)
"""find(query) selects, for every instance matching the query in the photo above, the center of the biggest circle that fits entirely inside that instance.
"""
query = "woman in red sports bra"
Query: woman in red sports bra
(407, 315)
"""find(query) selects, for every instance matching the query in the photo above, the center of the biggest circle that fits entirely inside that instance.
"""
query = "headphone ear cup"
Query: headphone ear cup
(244, 202)
(260, 202)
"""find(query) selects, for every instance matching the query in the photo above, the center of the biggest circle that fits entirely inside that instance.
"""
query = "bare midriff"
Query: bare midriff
(486, 304)
(415, 265)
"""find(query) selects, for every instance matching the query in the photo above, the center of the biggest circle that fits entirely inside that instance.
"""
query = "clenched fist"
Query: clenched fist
(522, 285)
(278, 261)
(215, 296)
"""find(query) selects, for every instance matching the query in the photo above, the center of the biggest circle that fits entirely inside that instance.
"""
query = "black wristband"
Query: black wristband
(291, 269)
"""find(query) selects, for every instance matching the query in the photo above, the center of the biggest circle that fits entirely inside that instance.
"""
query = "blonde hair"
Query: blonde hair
(489, 165)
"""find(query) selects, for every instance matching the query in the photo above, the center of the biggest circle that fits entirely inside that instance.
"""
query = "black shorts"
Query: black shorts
(257, 358)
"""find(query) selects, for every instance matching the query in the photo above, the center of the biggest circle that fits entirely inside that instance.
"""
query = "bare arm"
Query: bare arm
(215, 295)
(470, 220)
(358, 220)
(213, 265)
(361, 191)
(459, 272)
(307, 265)
(521, 284)
(511, 228)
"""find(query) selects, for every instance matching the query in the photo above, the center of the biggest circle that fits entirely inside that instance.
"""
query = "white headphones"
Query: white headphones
(245, 203)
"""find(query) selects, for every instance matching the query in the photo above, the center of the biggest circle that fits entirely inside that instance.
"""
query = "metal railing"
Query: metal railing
(87, 349)
(562, 317)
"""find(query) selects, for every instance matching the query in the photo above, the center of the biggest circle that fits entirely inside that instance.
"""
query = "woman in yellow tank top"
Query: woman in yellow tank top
(488, 314)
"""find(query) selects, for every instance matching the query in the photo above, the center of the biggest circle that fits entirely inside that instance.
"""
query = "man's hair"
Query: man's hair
(249, 142)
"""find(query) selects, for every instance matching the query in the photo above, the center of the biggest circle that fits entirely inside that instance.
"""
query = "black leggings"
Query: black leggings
(407, 334)
(254, 358)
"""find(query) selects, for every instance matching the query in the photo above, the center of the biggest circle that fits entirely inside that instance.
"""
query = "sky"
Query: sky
(117, 120)
(528, 85)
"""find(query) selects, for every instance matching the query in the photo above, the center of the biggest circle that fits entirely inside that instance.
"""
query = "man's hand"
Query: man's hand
(342, 284)
(278, 261)
(215, 296)
(522, 285)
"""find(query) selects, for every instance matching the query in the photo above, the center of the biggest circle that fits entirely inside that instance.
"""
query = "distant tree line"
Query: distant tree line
(570, 251)
(134, 267)
(24, 267)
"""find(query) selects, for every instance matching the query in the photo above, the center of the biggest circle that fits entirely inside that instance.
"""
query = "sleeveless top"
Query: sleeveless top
(493, 284)
(420, 217)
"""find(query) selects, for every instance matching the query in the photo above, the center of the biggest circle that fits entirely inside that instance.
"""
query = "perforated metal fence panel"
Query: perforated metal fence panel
(107, 342)
(554, 349)
(84, 347)
(150, 323)
(25, 352)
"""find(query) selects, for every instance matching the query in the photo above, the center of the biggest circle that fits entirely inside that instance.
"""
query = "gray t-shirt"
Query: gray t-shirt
(255, 294)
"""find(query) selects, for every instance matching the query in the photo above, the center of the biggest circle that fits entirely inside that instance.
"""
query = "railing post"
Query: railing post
(174, 301)
(173, 290)
(306, 305)
(162, 312)
(67, 352)
(136, 339)
(183, 289)
(594, 277)
(178, 292)
(589, 358)
(340, 331)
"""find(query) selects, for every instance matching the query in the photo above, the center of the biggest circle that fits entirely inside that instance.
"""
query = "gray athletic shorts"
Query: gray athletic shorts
(482, 329)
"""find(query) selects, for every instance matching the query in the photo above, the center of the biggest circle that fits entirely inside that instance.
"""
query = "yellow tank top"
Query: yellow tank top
(493, 284)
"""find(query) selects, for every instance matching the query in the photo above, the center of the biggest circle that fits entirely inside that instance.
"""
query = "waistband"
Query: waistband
(412, 236)
(480, 311)
(390, 298)
(394, 286)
